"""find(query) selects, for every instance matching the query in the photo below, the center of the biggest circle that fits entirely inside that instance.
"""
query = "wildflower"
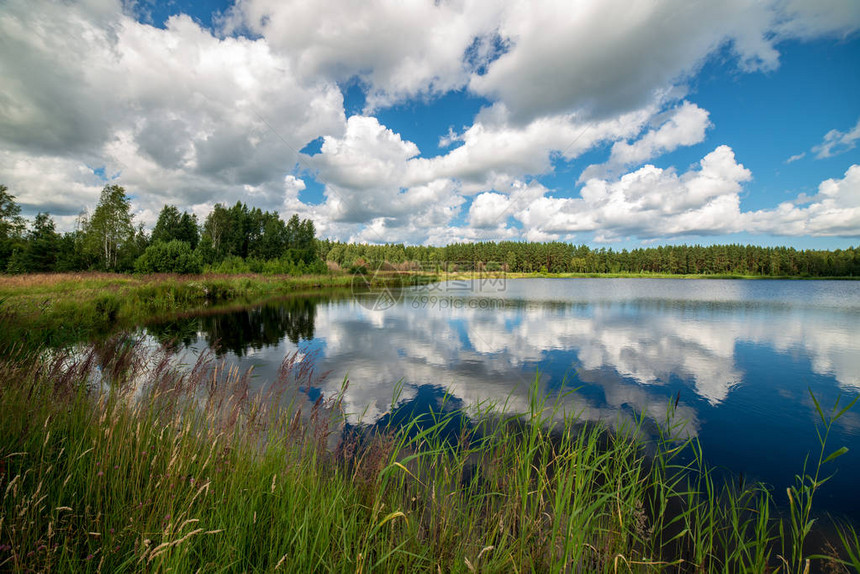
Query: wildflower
(100, 473)
(90, 556)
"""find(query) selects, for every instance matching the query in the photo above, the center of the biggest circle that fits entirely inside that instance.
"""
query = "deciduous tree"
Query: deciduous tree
(110, 229)
(11, 226)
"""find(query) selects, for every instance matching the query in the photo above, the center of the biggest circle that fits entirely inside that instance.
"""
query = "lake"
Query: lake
(742, 355)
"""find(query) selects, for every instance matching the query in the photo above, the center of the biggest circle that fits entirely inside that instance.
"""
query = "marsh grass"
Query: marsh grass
(120, 458)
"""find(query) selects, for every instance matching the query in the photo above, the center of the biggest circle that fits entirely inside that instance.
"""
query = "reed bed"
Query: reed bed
(118, 458)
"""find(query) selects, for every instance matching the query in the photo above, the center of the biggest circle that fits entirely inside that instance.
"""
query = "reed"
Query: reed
(119, 458)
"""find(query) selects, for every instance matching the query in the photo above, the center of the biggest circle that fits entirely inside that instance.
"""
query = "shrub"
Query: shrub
(171, 257)
(234, 264)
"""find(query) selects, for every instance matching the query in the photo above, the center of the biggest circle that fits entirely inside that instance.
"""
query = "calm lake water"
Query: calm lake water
(741, 353)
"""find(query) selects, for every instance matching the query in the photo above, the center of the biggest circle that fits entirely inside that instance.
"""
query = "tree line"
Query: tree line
(558, 257)
(242, 239)
(231, 239)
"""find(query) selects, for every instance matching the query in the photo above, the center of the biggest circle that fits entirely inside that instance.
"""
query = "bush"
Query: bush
(233, 265)
(172, 257)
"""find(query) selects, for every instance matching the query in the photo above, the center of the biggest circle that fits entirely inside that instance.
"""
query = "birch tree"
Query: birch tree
(110, 228)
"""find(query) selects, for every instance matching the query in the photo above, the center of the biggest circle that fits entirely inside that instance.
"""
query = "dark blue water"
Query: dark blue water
(743, 355)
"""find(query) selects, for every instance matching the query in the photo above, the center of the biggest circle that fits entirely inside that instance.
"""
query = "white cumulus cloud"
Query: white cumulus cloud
(398, 49)
(834, 211)
(685, 126)
(489, 210)
(649, 202)
(538, 58)
(181, 116)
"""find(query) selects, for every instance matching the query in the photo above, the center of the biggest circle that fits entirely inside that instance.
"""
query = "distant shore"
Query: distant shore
(623, 275)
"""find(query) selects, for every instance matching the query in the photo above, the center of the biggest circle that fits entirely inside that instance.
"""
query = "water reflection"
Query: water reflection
(484, 355)
(629, 338)
(239, 331)
(741, 353)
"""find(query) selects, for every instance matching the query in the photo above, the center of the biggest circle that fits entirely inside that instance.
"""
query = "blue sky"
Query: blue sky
(608, 123)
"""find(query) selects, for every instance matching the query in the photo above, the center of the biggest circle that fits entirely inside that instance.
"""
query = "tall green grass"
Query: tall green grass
(119, 459)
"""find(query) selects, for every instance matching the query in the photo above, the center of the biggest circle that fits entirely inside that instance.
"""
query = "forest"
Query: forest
(558, 257)
(243, 239)
(237, 239)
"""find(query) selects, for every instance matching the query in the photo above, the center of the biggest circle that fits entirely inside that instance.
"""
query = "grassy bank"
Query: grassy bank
(60, 308)
(119, 460)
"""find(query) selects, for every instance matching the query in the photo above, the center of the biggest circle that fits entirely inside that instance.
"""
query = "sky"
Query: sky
(603, 122)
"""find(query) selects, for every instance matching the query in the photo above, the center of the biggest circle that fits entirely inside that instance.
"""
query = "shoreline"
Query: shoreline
(61, 308)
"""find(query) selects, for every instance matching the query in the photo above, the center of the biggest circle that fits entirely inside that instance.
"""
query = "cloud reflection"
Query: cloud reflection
(627, 349)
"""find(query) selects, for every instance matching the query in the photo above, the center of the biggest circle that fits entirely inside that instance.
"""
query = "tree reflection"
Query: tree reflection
(177, 332)
(239, 331)
(260, 326)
